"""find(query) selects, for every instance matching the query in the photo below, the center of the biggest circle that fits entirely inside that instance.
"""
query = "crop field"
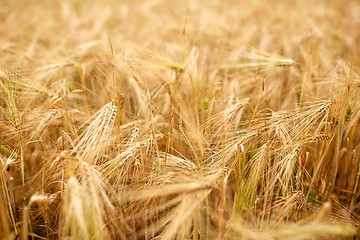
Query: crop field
(180, 119)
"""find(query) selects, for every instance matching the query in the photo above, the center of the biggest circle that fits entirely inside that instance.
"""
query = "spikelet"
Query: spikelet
(320, 137)
(41, 199)
(227, 115)
(326, 106)
(285, 165)
(258, 59)
(174, 163)
(247, 137)
(83, 218)
(264, 59)
(349, 112)
(93, 141)
(299, 199)
(231, 148)
(218, 176)
(44, 121)
(290, 205)
(279, 118)
(180, 219)
(324, 213)
(334, 123)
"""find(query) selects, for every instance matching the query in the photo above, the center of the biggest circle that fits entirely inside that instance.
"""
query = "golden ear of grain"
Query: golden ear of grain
(84, 219)
(324, 213)
(94, 141)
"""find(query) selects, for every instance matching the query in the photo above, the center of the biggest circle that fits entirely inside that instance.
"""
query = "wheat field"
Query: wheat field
(180, 119)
